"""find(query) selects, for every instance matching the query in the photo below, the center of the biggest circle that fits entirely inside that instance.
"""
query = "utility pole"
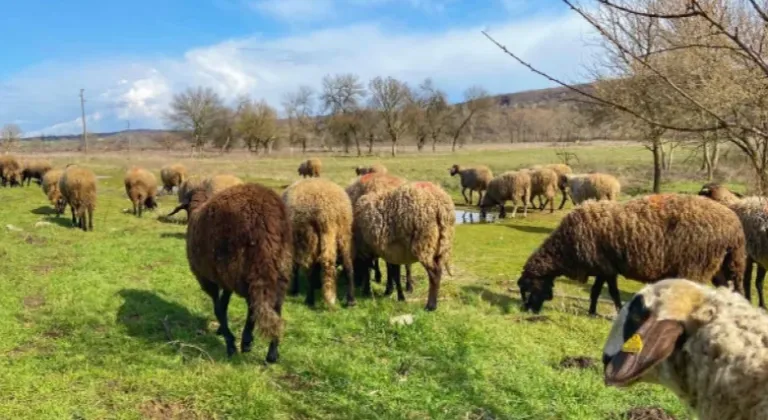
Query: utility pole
(128, 134)
(82, 110)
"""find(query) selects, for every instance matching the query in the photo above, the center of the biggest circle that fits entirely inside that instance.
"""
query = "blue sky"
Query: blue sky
(131, 57)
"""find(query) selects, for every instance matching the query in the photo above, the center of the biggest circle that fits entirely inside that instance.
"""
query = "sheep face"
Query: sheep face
(359, 171)
(150, 203)
(535, 291)
(60, 205)
(647, 332)
(718, 192)
(454, 170)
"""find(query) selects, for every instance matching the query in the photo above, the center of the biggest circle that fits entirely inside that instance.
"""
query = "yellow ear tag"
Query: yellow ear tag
(633, 345)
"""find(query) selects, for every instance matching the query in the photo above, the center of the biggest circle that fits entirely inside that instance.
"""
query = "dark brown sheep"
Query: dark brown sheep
(78, 187)
(240, 240)
(10, 171)
(645, 239)
(141, 187)
(35, 169)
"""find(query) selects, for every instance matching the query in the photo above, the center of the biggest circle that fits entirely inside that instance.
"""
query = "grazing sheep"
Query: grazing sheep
(512, 186)
(473, 179)
(706, 345)
(310, 168)
(544, 184)
(595, 186)
(562, 170)
(78, 187)
(173, 176)
(212, 185)
(240, 241)
(366, 184)
(412, 223)
(646, 239)
(321, 216)
(753, 213)
(10, 171)
(35, 169)
(376, 168)
(141, 188)
(50, 186)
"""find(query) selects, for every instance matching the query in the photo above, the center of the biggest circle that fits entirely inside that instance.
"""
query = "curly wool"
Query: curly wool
(141, 188)
(219, 183)
(10, 170)
(321, 216)
(473, 179)
(50, 187)
(512, 186)
(78, 188)
(371, 183)
(173, 176)
(544, 184)
(594, 186)
(719, 367)
(375, 168)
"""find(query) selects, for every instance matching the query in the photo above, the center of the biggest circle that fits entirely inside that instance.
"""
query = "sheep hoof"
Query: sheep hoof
(220, 330)
(351, 303)
(231, 350)
(430, 307)
(245, 347)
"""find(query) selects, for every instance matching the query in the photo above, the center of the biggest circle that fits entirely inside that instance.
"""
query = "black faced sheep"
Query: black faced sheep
(240, 241)
(645, 239)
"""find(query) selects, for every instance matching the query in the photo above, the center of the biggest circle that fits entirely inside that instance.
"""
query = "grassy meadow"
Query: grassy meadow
(112, 324)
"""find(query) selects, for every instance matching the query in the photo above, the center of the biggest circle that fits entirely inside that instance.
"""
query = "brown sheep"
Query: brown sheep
(10, 171)
(141, 188)
(321, 214)
(35, 169)
(78, 187)
(473, 179)
(366, 184)
(310, 168)
(645, 239)
(412, 223)
(376, 168)
(514, 186)
(562, 170)
(240, 241)
(173, 176)
(544, 183)
(50, 186)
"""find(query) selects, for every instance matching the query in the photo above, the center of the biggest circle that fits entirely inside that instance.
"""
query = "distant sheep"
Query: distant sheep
(645, 239)
(173, 176)
(50, 187)
(376, 168)
(593, 186)
(707, 346)
(321, 216)
(78, 187)
(240, 241)
(514, 186)
(310, 168)
(473, 179)
(544, 184)
(412, 223)
(562, 170)
(10, 171)
(141, 188)
(35, 169)
(753, 213)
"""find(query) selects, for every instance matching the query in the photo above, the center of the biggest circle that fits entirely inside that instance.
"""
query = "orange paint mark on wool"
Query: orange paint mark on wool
(367, 177)
(657, 200)
(424, 184)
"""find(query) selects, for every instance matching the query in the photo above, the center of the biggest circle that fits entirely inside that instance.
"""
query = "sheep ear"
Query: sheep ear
(653, 342)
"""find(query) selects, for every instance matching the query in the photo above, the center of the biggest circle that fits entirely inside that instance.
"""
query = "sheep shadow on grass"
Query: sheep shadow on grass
(532, 229)
(150, 317)
(174, 235)
(64, 221)
(44, 211)
(504, 301)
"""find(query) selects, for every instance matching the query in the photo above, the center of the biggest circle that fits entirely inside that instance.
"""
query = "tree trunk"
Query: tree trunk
(658, 160)
(453, 144)
(434, 143)
(394, 147)
(357, 144)
(663, 155)
(715, 155)
(303, 146)
(371, 138)
(669, 158)
(705, 161)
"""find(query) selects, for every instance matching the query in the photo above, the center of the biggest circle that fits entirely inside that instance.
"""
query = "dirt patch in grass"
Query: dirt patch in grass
(33, 301)
(295, 382)
(163, 410)
(35, 240)
(55, 333)
(645, 413)
(42, 269)
(578, 362)
(533, 319)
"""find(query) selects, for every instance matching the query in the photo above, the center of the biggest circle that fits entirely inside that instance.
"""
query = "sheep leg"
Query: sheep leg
(502, 211)
(480, 199)
(470, 197)
(613, 290)
(597, 288)
(565, 198)
(83, 225)
(90, 219)
(314, 283)
(221, 314)
(514, 208)
(349, 271)
(328, 280)
(295, 288)
(435, 274)
(748, 280)
(246, 342)
(759, 278)
(74, 218)
(390, 281)
(395, 278)
(141, 205)
(408, 279)
(376, 270)
(551, 202)
(464, 193)
(362, 267)
(273, 353)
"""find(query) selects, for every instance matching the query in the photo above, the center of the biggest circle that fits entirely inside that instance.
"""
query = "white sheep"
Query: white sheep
(596, 186)
(709, 346)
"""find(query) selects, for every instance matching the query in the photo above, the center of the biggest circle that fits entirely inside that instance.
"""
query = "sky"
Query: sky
(131, 57)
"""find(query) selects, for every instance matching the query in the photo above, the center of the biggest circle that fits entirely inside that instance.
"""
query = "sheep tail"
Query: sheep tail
(263, 300)
(733, 268)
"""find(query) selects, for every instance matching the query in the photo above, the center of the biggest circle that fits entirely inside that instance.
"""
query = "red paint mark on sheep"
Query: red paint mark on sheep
(657, 200)
(367, 177)
(424, 184)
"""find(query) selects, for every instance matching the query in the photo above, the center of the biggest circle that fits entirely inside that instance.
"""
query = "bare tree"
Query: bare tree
(342, 95)
(195, 111)
(390, 97)
(257, 125)
(476, 101)
(10, 135)
(427, 114)
(169, 140)
(299, 106)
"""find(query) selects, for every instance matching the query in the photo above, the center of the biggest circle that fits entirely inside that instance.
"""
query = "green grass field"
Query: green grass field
(111, 323)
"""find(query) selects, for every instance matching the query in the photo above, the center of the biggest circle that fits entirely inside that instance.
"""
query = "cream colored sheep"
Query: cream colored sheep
(514, 186)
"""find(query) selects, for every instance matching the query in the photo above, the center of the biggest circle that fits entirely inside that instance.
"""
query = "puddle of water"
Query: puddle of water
(464, 217)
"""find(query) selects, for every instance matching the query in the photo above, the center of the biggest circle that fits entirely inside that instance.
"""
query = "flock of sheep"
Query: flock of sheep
(708, 345)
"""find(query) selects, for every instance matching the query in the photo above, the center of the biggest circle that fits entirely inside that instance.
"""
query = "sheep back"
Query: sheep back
(596, 186)
(219, 183)
(140, 186)
(173, 175)
(544, 182)
(512, 185)
(370, 183)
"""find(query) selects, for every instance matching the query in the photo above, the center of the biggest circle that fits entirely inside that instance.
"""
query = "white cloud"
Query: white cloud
(140, 89)
(302, 10)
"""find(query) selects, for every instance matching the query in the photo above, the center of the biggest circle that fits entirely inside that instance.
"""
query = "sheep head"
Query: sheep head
(150, 203)
(454, 170)
(719, 193)
(534, 291)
